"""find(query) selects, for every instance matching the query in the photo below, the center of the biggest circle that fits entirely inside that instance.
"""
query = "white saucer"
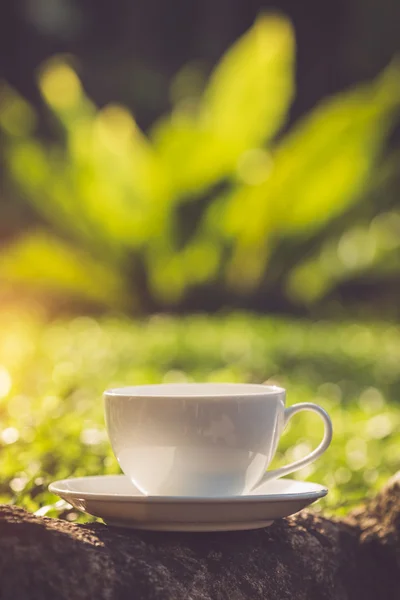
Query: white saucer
(118, 502)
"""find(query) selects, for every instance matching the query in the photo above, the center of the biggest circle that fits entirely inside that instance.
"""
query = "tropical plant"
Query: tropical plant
(214, 192)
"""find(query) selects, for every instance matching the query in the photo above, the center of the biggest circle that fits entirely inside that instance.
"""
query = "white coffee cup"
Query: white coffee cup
(202, 439)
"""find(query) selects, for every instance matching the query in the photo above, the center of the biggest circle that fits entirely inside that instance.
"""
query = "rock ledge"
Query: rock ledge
(305, 557)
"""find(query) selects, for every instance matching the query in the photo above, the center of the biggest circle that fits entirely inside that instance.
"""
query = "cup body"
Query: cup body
(207, 439)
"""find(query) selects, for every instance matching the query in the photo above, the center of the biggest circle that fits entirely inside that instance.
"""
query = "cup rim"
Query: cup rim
(205, 390)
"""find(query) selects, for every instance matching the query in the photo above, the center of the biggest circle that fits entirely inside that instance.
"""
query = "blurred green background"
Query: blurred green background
(198, 199)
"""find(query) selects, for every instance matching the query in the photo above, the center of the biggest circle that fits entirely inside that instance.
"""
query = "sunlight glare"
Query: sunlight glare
(5, 382)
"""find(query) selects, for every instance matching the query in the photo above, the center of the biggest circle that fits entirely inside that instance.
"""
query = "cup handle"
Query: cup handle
(299, 464)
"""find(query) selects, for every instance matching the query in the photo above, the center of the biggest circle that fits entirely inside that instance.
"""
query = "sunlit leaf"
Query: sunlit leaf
(93, 192)
(325, 162)
(316, 172)
(61, 88)
(171, 272)
(250, 91)
(193, 157)
(43, 262)
(110, 175)
(244, 105)
(17, 117)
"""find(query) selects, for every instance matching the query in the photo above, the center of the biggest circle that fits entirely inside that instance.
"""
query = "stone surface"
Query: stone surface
(305, 557)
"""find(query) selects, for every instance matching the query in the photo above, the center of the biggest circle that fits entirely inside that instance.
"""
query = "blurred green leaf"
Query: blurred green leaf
(17, 117)
(95, 191)
(251, 89)
(325, 162)
(171, 272)
(244, 105)
(110, 175)
(62, 89)
(192, 156)
(43, 262)
(320, 168)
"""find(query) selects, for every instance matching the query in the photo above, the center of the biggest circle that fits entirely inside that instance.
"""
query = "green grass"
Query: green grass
(52, 377)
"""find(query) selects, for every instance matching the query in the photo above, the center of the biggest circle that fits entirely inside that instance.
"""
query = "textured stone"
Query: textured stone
(305, 557)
